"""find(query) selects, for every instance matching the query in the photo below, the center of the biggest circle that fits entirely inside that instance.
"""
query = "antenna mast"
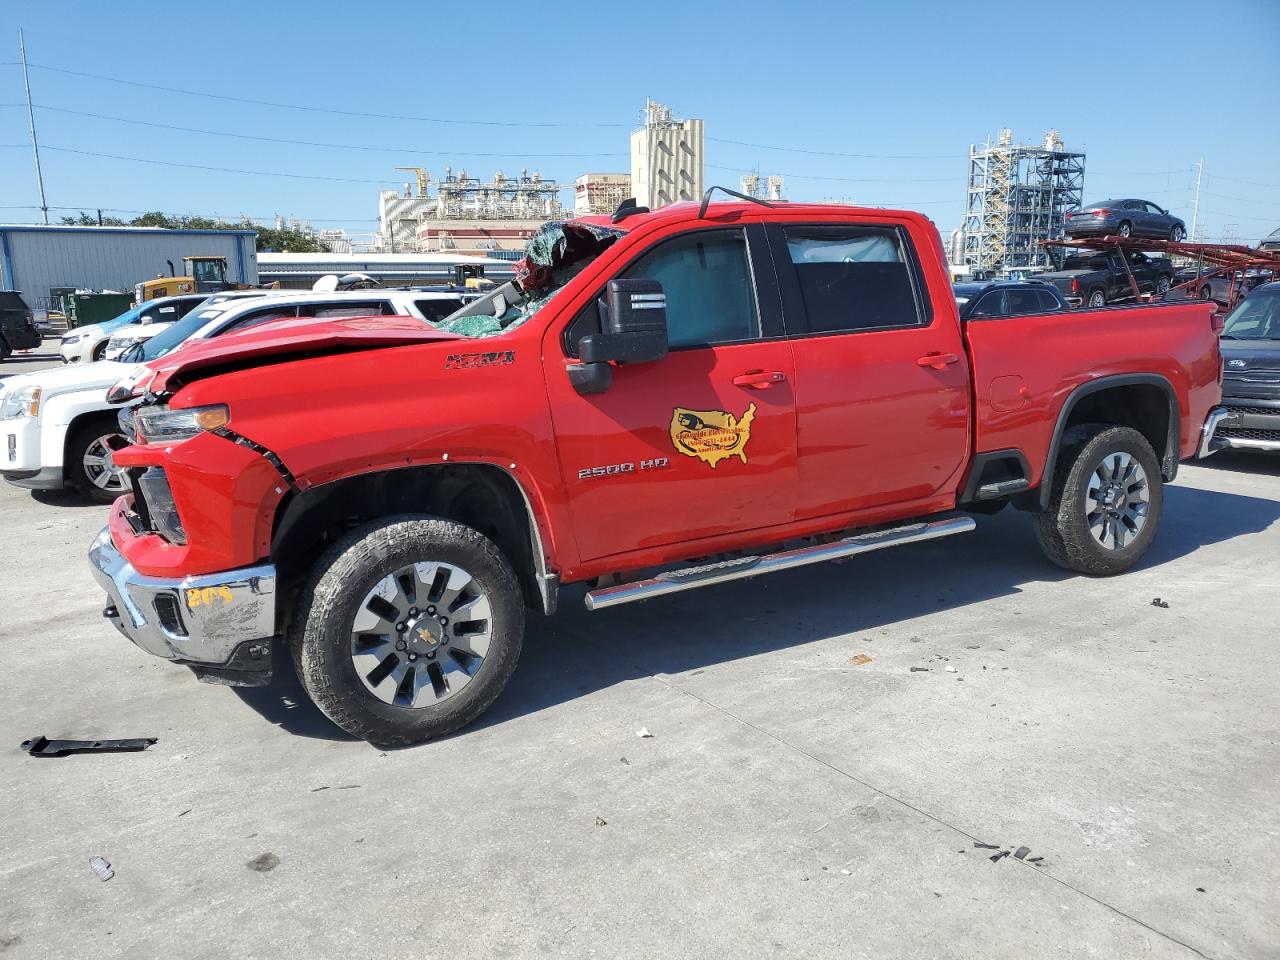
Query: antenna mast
(31, 121)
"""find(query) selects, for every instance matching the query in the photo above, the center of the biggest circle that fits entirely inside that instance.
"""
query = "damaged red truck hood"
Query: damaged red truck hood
(280, 341)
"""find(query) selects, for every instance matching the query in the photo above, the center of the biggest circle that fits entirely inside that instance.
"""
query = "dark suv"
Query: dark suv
(17, 324)
(1006, 298)
(1251, 372)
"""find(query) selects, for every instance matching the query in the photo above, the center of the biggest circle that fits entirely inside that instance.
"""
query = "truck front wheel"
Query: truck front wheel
(407, 629)
(1105, 503)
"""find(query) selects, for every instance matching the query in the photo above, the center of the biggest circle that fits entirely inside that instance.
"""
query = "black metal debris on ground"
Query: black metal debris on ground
(44, 747)
(1018, 854)
(1162, 604)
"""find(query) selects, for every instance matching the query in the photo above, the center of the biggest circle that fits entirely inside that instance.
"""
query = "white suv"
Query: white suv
(88, 343)
(57, 429)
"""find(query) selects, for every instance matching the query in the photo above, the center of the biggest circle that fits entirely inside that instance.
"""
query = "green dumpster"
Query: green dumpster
(87, 308)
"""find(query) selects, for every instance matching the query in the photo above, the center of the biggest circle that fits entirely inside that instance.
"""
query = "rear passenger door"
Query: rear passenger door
(882, 381)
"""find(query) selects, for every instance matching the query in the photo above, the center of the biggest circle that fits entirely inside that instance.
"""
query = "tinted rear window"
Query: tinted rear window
(853, 278)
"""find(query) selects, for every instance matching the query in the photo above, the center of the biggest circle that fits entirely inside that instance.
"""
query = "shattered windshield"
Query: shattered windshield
(557, 253)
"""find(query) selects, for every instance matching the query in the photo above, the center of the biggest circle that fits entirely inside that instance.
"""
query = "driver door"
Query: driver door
(702, 442)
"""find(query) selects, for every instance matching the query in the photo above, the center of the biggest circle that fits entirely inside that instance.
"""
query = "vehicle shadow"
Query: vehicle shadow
(1241, 461)
(577, 653)
(65, 498)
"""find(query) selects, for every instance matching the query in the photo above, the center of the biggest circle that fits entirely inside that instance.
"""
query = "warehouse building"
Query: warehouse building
(299, 271)
(47, 262)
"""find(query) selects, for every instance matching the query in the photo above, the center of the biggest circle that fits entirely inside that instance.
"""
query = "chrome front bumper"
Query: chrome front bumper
(1208, 443)
(195, 620)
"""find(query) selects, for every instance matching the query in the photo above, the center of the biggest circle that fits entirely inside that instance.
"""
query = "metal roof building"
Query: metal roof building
(46, 261)
(301, 270)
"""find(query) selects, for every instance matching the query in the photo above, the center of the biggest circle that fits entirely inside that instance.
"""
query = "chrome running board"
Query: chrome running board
(690, 578)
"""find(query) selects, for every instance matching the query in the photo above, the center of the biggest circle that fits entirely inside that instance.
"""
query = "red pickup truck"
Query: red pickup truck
(660, 401)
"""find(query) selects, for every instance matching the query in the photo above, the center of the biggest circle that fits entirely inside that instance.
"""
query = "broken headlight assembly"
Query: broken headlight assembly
(22, 402)
(163, 425)
(154, 487)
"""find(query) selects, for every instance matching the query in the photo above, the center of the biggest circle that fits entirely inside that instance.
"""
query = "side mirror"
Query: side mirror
(633, 324)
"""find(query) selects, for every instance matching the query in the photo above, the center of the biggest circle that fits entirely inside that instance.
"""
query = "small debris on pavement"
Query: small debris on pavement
(846, 873)
(919, 669)
(601, 822)
(950, 668)
(1021, 852)
(101, 868)
(44, 747)
(985, 846)
(643, 733)
(1199, 889)
(263, 863)
(860, 659)
(1162, 604)
(1034, 859)
(999, 856)
(625, 760)
(185, 812)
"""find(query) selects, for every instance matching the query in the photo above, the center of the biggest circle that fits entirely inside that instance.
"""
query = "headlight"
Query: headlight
(162, 425)
(67, 341)
(121, 345)
(22, 402)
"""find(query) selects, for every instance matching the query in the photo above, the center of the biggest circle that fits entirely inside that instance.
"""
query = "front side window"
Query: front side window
(853, 278)
(706, 276)
(330, 311)
(1022, 301)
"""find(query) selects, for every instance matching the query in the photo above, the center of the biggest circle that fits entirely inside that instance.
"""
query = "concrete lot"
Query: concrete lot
(789, 803)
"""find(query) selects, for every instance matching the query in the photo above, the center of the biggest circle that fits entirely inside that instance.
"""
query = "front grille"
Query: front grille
(1261, 411)
(1247, 433)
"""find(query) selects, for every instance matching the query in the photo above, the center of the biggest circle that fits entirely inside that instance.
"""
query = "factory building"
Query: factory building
(48, 262)
(666, 158)
(463, 213)
(600, 193)
(1018, 195)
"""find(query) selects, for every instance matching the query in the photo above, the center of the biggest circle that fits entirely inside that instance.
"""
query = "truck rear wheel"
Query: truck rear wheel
(1105, 503)
(407, 629)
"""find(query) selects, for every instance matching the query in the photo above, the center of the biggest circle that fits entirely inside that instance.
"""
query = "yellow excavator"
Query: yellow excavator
(205, 274)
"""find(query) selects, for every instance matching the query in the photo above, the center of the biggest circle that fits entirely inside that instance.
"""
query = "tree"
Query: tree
(286, 241)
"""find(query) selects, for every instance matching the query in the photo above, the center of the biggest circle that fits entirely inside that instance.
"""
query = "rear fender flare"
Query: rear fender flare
(1169, 462)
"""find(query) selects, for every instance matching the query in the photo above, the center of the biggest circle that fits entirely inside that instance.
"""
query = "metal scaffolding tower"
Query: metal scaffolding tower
(1018, 195)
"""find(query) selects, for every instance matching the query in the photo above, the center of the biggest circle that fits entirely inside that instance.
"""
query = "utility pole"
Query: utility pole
(1195, 206)
(31, 121)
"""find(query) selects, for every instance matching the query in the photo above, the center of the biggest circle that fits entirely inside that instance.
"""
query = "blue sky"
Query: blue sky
(1146, 89)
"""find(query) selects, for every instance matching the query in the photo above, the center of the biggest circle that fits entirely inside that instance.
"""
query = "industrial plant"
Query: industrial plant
(1017, 196)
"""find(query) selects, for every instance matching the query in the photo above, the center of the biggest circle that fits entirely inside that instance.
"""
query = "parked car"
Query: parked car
(1125, 218)
(1219, 286)
(1096, 279)
(126, 337)
(1007, 298)
(661, 403)
(87, 344)
(17, 324)
(57, 429)
(1251, 373)
(1271, 243)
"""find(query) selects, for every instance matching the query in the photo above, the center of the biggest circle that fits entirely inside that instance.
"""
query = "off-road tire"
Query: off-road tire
(320, 633)
(73, 462)
(1062, 529)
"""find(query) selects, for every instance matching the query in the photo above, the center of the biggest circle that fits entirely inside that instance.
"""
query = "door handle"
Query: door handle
(759, 379)
(937, 360)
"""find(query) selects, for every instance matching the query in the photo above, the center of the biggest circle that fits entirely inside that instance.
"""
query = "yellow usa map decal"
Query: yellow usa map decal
(711, 435)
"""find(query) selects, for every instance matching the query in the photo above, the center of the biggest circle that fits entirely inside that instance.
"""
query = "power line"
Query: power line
(802, 176)
(313, 109)
(832, 153)
(315, 143)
